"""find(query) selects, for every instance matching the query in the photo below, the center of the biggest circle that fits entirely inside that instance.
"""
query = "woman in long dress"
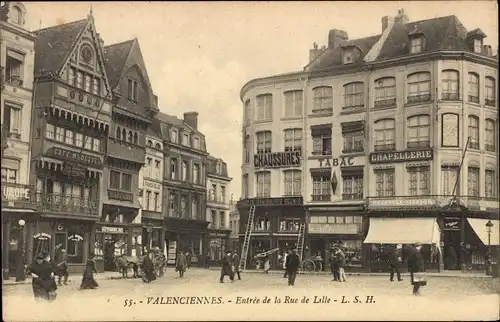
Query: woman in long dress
(88, 281)
(267, 265)
(149, 269)
(43, 283)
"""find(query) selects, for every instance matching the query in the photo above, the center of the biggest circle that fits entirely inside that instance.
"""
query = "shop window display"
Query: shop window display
(72, 241)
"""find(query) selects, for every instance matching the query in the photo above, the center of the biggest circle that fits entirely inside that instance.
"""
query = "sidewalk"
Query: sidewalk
(75, 278)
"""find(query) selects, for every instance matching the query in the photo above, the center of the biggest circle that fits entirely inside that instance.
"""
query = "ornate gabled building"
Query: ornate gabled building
(71, 122)
(17, 58)
(134, 106)
(184, 184)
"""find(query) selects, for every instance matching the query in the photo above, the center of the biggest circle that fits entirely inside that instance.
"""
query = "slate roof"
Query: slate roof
(53, 44)
(443, 33)
(116, 56)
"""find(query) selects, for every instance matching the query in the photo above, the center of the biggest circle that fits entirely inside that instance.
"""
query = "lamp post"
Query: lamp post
(20, 276)
(489, 225)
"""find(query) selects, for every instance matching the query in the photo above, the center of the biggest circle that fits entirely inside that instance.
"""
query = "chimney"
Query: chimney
(336, 37)
(314, 52)
(387, 22)
(191, 119)
(487, 50)
(401, 18)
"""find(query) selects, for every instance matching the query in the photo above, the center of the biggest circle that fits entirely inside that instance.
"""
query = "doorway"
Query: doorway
(452, 254)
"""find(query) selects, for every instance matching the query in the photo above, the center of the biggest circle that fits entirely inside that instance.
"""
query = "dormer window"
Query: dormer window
(475, 40)
(348, 56)
(417, 45)
(174, 137)
(185, 139)
(16, 14)
(478, 45)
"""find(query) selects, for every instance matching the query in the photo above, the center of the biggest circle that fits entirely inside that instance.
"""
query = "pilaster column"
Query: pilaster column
(86, 245)
(30, 226)
(5, 248)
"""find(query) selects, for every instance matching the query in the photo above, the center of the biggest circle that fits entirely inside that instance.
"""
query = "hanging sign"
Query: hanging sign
(451, 224)
(334, 162)
(75, 237)
(42, 236)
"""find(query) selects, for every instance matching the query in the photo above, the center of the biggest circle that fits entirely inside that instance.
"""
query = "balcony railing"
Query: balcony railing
(216, 199)
(325, 197)
(386, 102)
(14, 80)
(489, 147)
(422, 98)
(51, 202)
(473, 99)
(352, 196)
(433, 201)
(489, 102)
(450, 96)
(385, 147)
(419, 144)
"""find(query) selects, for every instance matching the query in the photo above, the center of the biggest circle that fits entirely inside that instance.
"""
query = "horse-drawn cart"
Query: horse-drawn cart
(128, 265)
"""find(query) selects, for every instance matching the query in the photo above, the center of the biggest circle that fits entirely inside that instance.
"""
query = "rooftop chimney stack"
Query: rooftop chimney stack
(191, 119)
(336, 38)
(401, 18)
(314, 52)
(387, 22)
(487, 50)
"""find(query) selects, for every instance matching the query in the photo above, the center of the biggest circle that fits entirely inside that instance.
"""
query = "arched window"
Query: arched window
(264, 142)
(385, 134)
(323, 99)
(474, 132)
(79, 79)
(418, 131)
(130, 137)
(489, 135)
(419, 87)
(16, 15)
(263, 180)
(473, 95)
(293, 181)
(353, 95)
(490, 92)
(118, 133)
(385, 92)
(136, 138)
(157, 146)
(150, 143)
(450, 85)
(124, 135)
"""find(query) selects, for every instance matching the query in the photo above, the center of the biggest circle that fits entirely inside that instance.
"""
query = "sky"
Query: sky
(200, 54)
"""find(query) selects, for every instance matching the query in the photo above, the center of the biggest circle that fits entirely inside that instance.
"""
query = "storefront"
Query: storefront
(184, 235)
(111, 240)
(330, 227)
(218, 244)
(153, 233)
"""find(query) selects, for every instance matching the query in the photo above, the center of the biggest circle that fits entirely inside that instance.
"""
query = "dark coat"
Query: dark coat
(88, 280)
(236, 262)
(149, 268)
(292, 262)
(342, 261)
(334, 261)
(180, 262)
(44, 283)
(227, 267)
(415, 261)
(392, 256)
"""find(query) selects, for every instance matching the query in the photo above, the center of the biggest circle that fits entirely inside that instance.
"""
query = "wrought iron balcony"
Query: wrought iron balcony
(489, 102)
(473, 99)
(418, 144)
(385, 103)
(385, 147)
(15, 195)
(51, 202)
(325, 197)
(450, 96)
(352, 196)
(422, 98)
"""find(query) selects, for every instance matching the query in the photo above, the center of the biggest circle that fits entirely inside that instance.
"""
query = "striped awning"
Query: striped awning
(80, 118)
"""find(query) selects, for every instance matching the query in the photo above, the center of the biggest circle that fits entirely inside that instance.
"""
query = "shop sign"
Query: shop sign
(152, 185)
(116, 230)
(73, 169)
(402, 156)
(15, 192)
(75, 238)
(334, 162)
(407, 202)
(283, 201)
(73, 156)
(217, 235)
(277, 159)
(334, 228)
(451, 224)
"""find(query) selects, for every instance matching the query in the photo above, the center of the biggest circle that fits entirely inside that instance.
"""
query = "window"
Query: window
(185, 139)
(474, 132)
(473, 182)
(473, 95)
(352, 186)
(10, 175)
(194, 208)
(213, 216)
(418, 131)
(450, 89)
(173, 169)
(293, 140)
(12, 120)
(60, 134)
(96, 86)
(126, 182)
(50, 131)
(353, 95)
(88, 83)
(157, 170)
(15, 15)
(385, 135)
(321, 187)
(132, 90)
(489, 92)
(385, 92)
(322, 140)
(416, 45)
(14, 68)
(244, 186)
(79, 140)
(293, 103)
(265, 107)
(114, 180)
(68, 139)
(213, 192)
(148, 199)
(174, 137)
(384, 182)
(196, 173)
(222, 194)
(419, 87)
(197, 143)
(323, 99)
(450, 175)
(172, 204)
(489, 135)
(478, 46)
(263, 184)
(88, 142)
(71, 76)
(419, 181)
(157, 202)
(130, 137)
(264, 142)
(353, 141)
(79, 79)
(246, 149)
(293, 180)
(185, 166)
(246, 112)
(489, 184)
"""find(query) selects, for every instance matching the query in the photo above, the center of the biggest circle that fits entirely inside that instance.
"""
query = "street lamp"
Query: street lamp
(489, 225)
(20, 276)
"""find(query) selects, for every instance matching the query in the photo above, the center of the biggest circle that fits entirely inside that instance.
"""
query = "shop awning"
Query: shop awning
(403, 231)
(479, 227)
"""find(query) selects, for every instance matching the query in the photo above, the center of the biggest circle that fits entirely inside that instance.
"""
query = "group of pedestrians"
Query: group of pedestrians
(337, 265)
(230, 266)
(415, 265)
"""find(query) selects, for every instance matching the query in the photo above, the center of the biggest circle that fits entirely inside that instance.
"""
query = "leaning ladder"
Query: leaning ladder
(300, 243)
(246, 242)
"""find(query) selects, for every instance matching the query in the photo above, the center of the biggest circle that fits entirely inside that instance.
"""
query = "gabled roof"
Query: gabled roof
(53, 44)
(116, 57)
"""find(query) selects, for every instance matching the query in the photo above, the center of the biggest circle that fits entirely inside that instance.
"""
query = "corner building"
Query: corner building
(381, 130)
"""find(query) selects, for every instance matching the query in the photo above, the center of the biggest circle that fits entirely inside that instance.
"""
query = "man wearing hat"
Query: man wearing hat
(416, 268)
(227, 267)
(62, 266)
(395, 259)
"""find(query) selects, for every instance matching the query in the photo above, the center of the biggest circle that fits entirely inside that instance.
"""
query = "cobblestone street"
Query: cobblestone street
(443, 298)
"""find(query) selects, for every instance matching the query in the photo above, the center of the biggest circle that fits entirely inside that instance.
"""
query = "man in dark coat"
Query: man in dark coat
(227, 267)
(415, 266)
(42, 272)
(394, 256)
(149, 268)
(334, 265)
(236, 264)
(62, 266)
(292, 265)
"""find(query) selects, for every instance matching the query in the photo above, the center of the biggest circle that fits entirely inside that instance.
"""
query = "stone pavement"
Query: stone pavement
(442, 299)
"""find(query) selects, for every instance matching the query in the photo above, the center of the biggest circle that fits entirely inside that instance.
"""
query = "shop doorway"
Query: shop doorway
(114, 245)
(451, 254)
